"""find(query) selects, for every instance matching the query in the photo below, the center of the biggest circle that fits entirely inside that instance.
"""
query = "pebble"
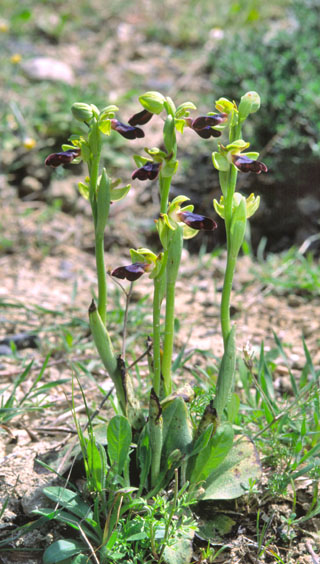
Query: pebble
(47, 68)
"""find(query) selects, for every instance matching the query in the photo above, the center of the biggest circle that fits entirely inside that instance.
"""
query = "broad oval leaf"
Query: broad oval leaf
(119, 439)
(232, 478)
(61, 550)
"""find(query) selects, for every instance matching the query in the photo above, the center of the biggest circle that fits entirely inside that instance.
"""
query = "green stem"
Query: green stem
(168, 338)
(225, 299)
(102, 279)
(173, 263)
(157, 298)
(231, 260)
(165, 183)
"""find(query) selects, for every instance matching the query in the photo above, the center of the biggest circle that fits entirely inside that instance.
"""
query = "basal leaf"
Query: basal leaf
(119, 439)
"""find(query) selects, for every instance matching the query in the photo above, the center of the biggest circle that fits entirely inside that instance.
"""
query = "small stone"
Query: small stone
(294, 301)
(30, 185)
(47, 68)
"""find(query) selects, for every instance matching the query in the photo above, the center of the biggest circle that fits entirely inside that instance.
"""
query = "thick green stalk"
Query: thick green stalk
(165, 183)
(155, 435)
(235, 132)
(102, 280)
(157, 298)
(225, 299)
(173, 263)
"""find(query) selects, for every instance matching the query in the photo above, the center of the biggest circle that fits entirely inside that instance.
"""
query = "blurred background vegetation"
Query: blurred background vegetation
(55, 53)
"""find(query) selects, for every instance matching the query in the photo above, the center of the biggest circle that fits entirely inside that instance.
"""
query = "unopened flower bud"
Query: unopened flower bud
(249, 104)
(82, 111)
(152, 101)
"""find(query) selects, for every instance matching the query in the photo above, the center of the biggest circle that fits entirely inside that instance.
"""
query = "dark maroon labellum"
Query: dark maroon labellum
(204, 121)
(131, 272)
(244, 164)
(207, 132)
(197, 221)
(149, 171)
(127, 131)
(65, 157)
(140, 118)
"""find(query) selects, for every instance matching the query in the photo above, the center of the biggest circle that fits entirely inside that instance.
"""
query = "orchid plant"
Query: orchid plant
(166, 440)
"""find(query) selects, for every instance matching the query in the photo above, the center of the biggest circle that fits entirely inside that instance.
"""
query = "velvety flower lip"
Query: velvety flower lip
(207, 132)
(127, 131)
(148, 171)
(65, 157)
(130, 272)
(197, 221)
(245, 164)
(205, 121)
(141, 118)
(203, 125)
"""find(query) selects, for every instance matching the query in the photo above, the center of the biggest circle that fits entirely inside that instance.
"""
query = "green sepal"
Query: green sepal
(66, 147)
(159, 265)
(156, 154)
(219, 207)
(141, 161)
(103, 202)
(179, 125)
(220, 162)
(165, 230)
(225, 106)
(108, 112)
(252, 155)
(182, 110)
(105, 126)
(143, 255)
(225, 380)
(84, 190)
(85, 151)
(237, 146)
(117, 194)
(169, 106)
(152, 101)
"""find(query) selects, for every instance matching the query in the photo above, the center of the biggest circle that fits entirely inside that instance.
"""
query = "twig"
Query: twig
(125, 321)
(313, 555)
